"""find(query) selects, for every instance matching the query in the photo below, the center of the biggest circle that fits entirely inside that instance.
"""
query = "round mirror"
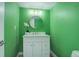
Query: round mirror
(36, 22)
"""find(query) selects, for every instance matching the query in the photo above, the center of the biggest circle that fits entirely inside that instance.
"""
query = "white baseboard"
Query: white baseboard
(53, 54)
(20, 54)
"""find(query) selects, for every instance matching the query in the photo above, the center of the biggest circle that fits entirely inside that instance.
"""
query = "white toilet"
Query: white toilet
(75, 53)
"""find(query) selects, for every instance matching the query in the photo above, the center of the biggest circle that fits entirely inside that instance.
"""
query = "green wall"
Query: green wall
(64, 28)
(11, 35)
(24, 17)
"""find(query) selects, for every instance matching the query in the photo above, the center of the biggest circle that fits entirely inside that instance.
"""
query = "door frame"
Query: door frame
(2, 13)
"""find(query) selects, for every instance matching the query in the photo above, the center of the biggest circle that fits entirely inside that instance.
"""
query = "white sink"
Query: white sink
(35, 33)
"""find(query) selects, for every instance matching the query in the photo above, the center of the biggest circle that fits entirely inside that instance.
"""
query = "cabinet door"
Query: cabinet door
(27, 47)
(36, 47)
(45, 47)
(27, 51)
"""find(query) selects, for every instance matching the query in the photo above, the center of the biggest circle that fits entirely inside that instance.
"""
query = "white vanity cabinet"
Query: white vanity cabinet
(36, 46)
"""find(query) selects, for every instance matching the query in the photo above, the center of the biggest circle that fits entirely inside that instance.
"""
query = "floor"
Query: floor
(20, 54)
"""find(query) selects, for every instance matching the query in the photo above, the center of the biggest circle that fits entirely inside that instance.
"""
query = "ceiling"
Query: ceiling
(37, 5)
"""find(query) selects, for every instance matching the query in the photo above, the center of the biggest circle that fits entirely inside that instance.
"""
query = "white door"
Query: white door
(1, 29)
